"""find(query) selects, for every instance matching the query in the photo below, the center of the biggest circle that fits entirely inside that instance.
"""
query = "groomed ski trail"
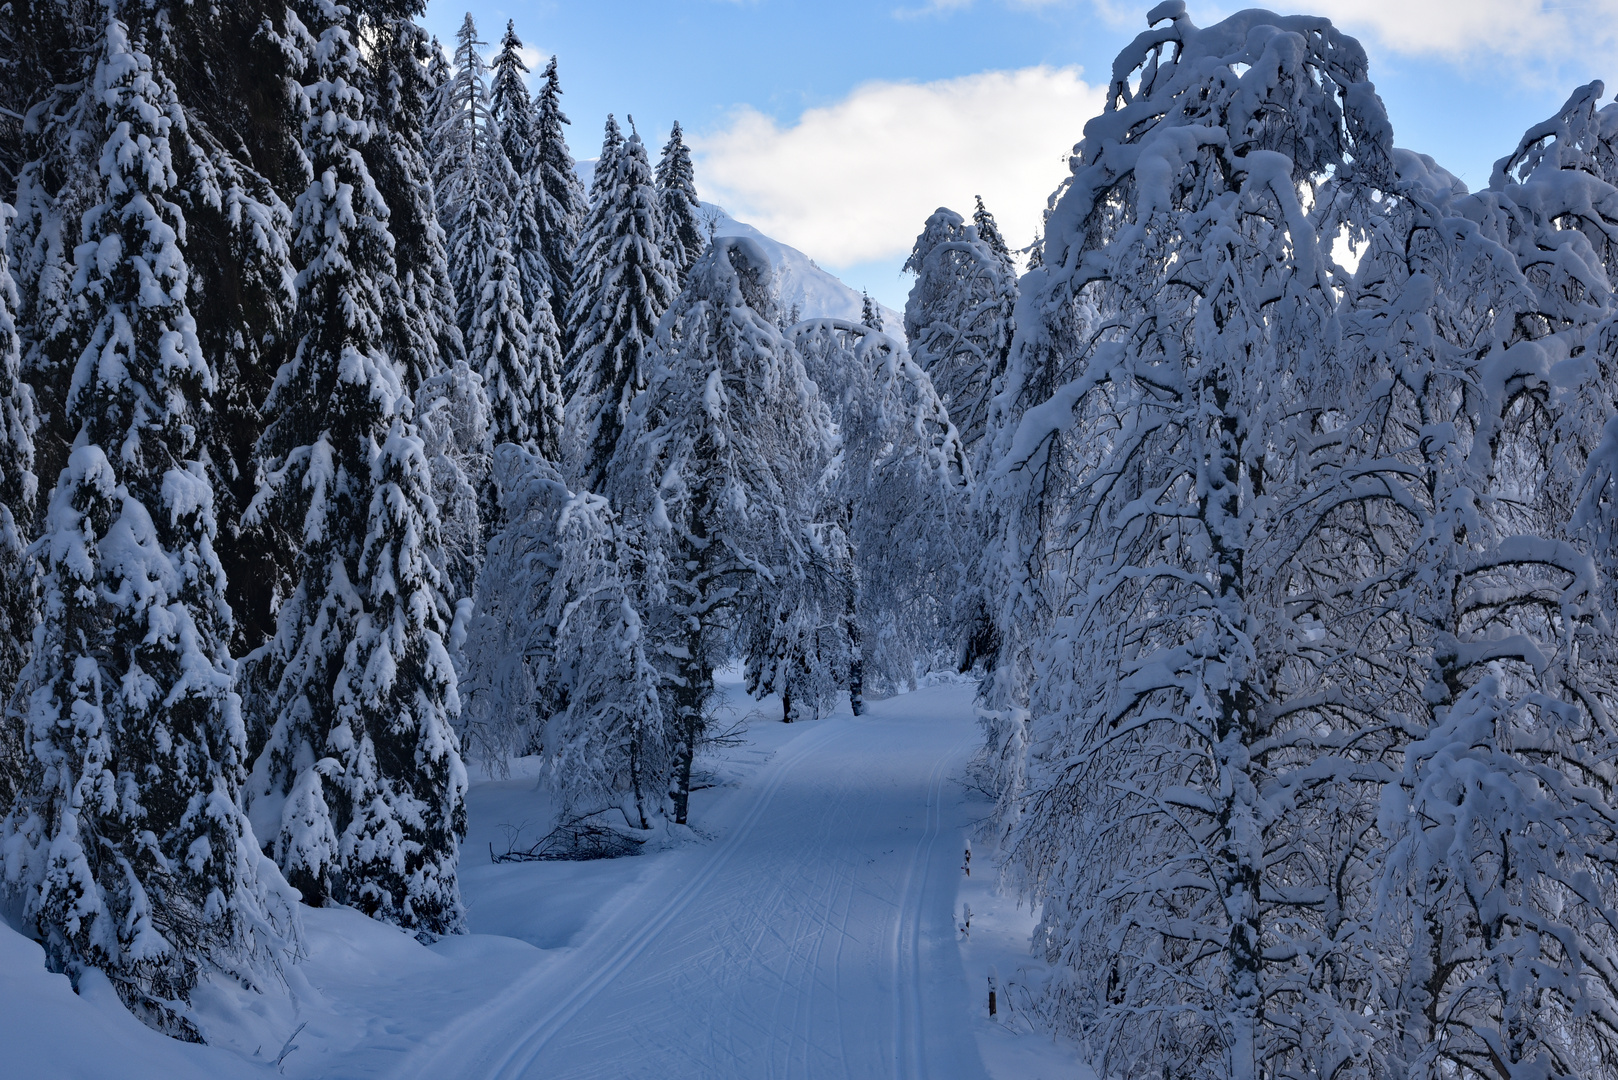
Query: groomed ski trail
(812, 939)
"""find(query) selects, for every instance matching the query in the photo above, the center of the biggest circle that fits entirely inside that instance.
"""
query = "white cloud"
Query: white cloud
(854, 181)
(533, 60)
(1542, 30)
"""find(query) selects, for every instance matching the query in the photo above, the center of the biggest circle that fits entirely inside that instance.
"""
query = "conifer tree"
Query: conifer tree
(545, 357)
(682, 233)
(591, 256)
(422, 336)
(604, 176)
(510, 107)
(361, 784)
(515, 122)
(870, 313)
(560, 202)
(989, 233)
(715, 476)
(500, 341)
(475, 182)
(18, 488)
(129, 842)
(625, 286)
(420, 330)
(958, 317)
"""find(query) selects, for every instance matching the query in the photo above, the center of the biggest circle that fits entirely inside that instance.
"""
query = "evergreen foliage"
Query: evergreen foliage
(128, 841)
(18, 488)
(500, 342)
(359, 790)
(560, 202)
(676, 182)
(625, 285)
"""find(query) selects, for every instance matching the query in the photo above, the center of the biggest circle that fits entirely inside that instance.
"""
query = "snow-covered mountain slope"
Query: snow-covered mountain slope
(818, 293)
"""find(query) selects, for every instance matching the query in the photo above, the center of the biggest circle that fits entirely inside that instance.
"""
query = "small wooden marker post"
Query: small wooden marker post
(994, 984)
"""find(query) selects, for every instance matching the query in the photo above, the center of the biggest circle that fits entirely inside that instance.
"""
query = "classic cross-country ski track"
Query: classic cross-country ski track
(813, 937)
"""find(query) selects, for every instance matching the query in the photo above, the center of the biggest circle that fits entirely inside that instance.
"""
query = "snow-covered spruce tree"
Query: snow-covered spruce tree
(360, 788)
(989, 232)
(238, 153)
(1179, 821)
(715, 475)
(683, 236)
(18, 486)
(128, 843)
(500, 340)
(509, 104)
(589, 259)
(512, 111)
(475, 183)
(560, 202)
(1469, 318)
(232, 187)
(900, 491)
(420, 332)
(545, 356)
(870, 313)
(604, 175)
(958, 318)
(625, 285)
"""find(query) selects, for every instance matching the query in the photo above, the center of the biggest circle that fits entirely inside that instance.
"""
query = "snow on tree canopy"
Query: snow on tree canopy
(1142, 455)
(625, 284)
(360, 789)
(128, 843)
(560, 202)
(714, 476)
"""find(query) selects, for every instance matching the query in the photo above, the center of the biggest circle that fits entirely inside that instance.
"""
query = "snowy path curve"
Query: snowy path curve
(814, 938)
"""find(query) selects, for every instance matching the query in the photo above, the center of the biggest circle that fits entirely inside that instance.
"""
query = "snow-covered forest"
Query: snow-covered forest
(356, 444)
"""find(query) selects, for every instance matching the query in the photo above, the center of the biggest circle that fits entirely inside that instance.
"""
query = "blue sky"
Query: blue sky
(837, 125)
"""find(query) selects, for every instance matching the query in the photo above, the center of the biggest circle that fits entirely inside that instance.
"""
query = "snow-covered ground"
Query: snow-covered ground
(812, 931)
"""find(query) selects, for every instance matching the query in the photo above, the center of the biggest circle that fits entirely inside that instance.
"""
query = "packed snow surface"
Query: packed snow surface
(811, 928)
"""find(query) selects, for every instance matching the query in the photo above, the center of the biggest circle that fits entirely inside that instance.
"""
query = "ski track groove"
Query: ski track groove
(775, 913)
(546, 1027)
(909, 1040)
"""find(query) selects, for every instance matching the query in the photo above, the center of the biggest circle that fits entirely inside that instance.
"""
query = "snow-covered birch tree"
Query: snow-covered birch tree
(958, 318)
(1177, 777)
